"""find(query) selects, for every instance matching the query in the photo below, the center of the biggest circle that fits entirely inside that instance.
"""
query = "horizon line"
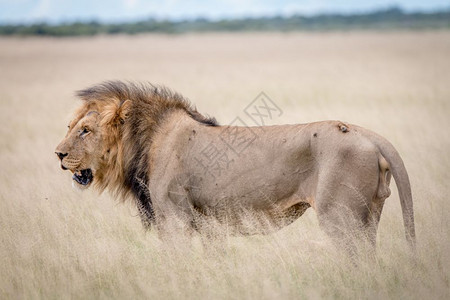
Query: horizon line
(210, 19)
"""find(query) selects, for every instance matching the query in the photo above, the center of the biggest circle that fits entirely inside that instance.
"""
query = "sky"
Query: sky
(54, 11)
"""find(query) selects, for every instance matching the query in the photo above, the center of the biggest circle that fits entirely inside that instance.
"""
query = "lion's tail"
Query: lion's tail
(403, 185)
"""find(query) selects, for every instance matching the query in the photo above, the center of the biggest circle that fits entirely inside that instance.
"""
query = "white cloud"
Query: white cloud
(42, 10)
(130, 4)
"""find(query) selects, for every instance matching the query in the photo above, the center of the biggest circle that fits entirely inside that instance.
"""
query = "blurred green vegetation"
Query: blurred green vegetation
(389, 19)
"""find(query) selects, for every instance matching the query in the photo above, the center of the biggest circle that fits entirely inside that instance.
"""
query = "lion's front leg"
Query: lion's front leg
(213, 234)
(174, 215)
(174, 224)
(175, 230)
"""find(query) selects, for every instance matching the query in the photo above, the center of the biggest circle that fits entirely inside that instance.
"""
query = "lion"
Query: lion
(182, 169)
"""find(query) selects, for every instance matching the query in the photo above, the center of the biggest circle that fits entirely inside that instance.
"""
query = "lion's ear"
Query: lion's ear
(116, 113)
(123, 110)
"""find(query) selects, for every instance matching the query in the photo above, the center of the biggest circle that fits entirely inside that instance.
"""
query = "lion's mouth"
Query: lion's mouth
(83, 177)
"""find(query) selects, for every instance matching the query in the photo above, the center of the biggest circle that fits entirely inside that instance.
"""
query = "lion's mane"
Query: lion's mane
(139, 109)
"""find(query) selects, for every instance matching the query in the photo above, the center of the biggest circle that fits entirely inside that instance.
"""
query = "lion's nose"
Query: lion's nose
(61, 155)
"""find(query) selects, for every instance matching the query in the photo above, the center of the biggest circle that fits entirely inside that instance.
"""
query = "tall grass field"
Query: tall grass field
(59, 243)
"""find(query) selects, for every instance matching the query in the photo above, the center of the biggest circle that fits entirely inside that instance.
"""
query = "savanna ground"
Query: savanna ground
(57, 242)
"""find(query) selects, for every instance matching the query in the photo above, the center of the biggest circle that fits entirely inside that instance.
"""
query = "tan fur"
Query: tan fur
(341, 170)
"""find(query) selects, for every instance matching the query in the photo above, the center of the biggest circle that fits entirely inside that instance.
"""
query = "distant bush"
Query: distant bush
(393, 18)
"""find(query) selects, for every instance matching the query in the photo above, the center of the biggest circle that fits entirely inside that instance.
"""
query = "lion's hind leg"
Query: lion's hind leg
(344, 206)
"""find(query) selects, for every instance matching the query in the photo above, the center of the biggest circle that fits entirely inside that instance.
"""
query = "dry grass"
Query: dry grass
(59, 243)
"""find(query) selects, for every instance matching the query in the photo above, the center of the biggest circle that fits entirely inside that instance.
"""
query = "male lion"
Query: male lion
(182, 168)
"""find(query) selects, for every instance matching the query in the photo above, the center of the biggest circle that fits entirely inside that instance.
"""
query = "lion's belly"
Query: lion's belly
(249, 220)
(261, 178)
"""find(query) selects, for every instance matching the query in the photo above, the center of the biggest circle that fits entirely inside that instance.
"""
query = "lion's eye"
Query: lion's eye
(84, 132)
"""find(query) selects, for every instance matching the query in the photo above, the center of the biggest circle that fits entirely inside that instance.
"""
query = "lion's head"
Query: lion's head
(92, 141)
(109, 139)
